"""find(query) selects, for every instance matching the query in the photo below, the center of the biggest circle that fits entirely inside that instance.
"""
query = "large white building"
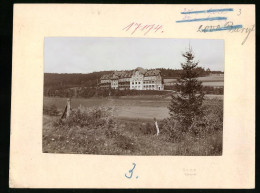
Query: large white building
(138, 79)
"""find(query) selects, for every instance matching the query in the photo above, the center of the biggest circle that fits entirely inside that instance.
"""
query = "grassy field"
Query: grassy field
(206, 81)
(123, 107)
(213, 84)
(211, 78)
(134, 107)
(132, 131)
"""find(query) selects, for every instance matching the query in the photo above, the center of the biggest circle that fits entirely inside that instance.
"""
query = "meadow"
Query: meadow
(125, 107)
(206, 81)
(127, 128)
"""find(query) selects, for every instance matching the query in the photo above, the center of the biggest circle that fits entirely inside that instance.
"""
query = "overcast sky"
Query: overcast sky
(85, 55)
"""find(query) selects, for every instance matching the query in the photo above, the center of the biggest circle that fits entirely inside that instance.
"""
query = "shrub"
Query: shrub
(86, 130)
(88, 117)
(213, 116)
(149, 128)
(172, 130)
(111, 133)
(125, 143)
(205, 137)
(204, 145)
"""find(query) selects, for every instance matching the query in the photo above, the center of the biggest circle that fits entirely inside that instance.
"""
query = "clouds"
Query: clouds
(85, 55)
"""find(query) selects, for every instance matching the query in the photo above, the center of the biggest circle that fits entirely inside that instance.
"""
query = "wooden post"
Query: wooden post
(68, 108)
(156, 125)
(66, 112)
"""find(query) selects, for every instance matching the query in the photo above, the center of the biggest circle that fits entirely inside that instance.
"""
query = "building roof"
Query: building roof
(140, 69)
(106, 77)
(128, 74)
(152, 73)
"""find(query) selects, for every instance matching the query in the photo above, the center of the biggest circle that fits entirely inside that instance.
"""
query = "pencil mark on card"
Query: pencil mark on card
(189, 171)
(208, 11)
(239, 12)
(228, 26)
(202, 19)
(209, 15)
(213, 28)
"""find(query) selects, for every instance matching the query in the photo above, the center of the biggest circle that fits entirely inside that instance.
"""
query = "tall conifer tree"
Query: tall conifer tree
(185, 107)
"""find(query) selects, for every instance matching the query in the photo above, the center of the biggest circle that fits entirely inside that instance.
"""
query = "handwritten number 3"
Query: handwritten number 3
(131, 172)
(239, 12)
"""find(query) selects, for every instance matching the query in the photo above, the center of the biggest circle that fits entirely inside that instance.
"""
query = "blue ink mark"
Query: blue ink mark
(131, 172)
(202, 19)
(136, 177)
(223, 28)
(208, 11)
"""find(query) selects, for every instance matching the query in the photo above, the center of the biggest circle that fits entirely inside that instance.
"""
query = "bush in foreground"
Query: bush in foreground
(87, 130)
(87, 117)
(205, 137)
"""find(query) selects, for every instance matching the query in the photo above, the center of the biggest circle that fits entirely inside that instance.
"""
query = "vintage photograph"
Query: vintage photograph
(133, 96)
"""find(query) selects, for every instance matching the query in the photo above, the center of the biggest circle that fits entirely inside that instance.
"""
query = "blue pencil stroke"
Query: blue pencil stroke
(223, 28)
(131, 171)
(208, 11)
(202, 19)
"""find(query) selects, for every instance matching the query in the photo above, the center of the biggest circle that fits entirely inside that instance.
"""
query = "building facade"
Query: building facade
(138, 79)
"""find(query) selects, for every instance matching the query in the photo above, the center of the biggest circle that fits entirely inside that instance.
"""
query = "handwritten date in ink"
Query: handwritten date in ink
(131, 172)
(145, 29)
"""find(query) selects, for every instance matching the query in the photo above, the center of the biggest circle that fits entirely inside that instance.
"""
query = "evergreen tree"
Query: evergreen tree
(185, 107)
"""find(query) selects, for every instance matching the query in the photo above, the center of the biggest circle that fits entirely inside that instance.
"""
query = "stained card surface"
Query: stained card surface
(133, 96)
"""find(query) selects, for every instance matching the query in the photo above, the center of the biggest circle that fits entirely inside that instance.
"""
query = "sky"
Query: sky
(90, 54)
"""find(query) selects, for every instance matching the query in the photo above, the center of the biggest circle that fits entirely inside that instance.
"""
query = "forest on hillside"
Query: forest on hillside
(63, 81)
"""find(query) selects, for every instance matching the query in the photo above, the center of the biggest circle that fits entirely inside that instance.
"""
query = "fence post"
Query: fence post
(68, 108)
(156, 125)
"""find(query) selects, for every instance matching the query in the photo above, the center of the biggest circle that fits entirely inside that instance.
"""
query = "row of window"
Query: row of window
(145, 82)
(149, 82)
(150, 89)
(145, 86)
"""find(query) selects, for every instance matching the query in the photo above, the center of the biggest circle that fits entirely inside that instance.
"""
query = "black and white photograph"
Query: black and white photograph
(133, 96)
